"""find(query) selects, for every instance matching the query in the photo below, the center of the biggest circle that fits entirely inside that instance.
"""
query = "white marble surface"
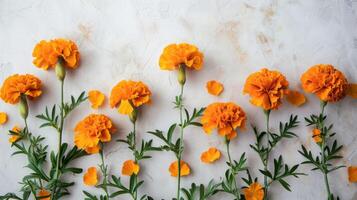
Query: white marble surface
(123, 40)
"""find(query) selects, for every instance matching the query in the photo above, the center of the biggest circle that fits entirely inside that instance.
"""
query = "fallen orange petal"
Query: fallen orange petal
(316, 134)
(185, 169)
(3, 118)
(44, 195)
(96, 98)
(211, 155)
(352, 173)
(296, 98)
(90, 178)
(130, 167)
(352, 90)
(214, 87)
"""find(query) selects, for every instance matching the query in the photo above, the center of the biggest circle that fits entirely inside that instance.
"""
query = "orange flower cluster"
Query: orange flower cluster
(47, 53)
(129, 94)
(254, 192)
(176, 54)
(185, 169)
(226, 117)
(91, 130)
(266, 88)
(328, 83)
(16, 85)
(130, 167)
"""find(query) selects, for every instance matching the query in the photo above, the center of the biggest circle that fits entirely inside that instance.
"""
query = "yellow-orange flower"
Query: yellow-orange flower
(90, 178)
(352, 173)
(130, 167)
(316, 134)
(214, 87)
(96, 98)
(128, 94)
(3, 118)
(254, 192)
(266, 88)
(226, 117)
(44, 194)
(91, 130)
(185, 169)
(211, 155)
(47, 53)
(177, 54)
(16, 85)
(328, 83)
(16, 136)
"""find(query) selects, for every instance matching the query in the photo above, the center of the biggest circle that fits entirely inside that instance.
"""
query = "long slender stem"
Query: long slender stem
(237, 193)
(266, 161)
(322, 147)
(135, 196)
(104, 170)
(179, 156)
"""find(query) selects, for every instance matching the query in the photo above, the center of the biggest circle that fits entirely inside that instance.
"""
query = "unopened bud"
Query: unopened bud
(181, 77)
(23, 106)
(60, 70)
(133, 115)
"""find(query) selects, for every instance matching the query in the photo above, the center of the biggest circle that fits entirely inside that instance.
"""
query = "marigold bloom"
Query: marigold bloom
(176, 54)
(91, 130)
(90, 178)
(328, 83)
(316, 134)
(16, 85)
(226, 117)
(68, 51)
(3, 118)
(15, 137)
(130, 167)
(352, 173)
(96, 98)
(266, 88)
(254, 192)
(296, 98)
(128, 94)
(185, 169)
(44, 194)
(44, 55)
(211, 155)
(214, 87)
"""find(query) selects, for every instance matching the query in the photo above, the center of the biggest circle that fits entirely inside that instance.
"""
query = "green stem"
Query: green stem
(32, 190)
(135, 195)
(179, 156)
(104, 170)
(266, 161)
(237, 193)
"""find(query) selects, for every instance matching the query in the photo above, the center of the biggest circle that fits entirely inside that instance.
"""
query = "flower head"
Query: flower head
(211, 155)
(68, 51)
(44, 55)
(44, 194)
(266, 88)
(326, 82)
(91, 130)
(16, 85)
(226, 117)
(130, 167)
(175, 55)
(15, 136)
(90, 178)
(214, 87)
(254, 192)
(129, 95)
(185, 169)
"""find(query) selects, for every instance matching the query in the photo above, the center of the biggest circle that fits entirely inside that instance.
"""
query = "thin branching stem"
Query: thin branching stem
(135, 196)
(179, 156)
(237, 193)
(104, 169)
(266, 161)
(322, 148)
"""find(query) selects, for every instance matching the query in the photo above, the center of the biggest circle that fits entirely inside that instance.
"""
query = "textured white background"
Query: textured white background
(123, 40)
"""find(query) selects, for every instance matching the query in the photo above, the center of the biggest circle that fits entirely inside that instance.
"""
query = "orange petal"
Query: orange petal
(254, 192)
(130, 167)
(44, 195)
(316, 134)
(296, 98)
(185, 169)
(352, 90)
(96, 98)
(3, 118)
(90, 178)
(352, 173)
(211, 155)
(92, 150)
(125, 107)
(214, 87)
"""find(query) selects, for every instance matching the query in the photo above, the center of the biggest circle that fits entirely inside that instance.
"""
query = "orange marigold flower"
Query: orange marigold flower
(96, 98)
(266, 88)
(91, 130)
(68, 51)
(185, 169)
(3, 118)
(44, 194)
(211, 155)
(16, 136)
(254, 192)
(16, 85)
(316, 134)
(44, 55)
(328, 83)
(296, 98)
(214, 87)
(226, 117)
(90, 178)
(128, 94)
(130, 167)
(352, 173)
(177, 54)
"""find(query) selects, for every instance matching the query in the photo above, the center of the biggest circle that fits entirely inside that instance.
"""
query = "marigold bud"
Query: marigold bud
(133, 115)
(23, 107)
(181, 74)
(60, 70)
